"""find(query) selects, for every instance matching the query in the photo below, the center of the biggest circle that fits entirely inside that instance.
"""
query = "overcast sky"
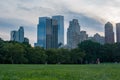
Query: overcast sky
(92, 15)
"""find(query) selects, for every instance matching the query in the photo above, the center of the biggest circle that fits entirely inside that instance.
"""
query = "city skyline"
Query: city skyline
(25, 13)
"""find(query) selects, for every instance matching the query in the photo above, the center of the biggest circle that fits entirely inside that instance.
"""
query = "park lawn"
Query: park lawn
(60, 72)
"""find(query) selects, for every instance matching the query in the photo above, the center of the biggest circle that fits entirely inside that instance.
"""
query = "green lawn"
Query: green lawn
(60, 72)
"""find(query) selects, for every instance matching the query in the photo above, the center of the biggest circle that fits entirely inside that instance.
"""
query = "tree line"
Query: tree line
(87, 52)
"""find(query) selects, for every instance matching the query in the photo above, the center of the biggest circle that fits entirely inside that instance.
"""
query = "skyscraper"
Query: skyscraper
(14, 36)
(118, 32)
(47, 33)
(54, 33)
(44, 23)
(21, 34)
(18, 35)
(109, 34)
(73, 34)
(60, 20)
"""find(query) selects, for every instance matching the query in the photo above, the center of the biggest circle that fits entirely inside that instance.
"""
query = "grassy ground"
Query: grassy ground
(60, 72)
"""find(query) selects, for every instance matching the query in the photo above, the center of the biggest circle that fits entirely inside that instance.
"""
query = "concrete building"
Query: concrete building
(60, 20)
(118, 32)
(98, 38)
(73, 34)
(109, 34)
(83, 36)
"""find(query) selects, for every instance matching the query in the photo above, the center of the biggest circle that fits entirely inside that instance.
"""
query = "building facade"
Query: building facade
(83, 36)
(18, 35)
(14, 36)
(21, 34)
(98, 38)
(73, 34)
(109, 34)
(118, 32)
(47, 33)
(60, 20)
(26, 40)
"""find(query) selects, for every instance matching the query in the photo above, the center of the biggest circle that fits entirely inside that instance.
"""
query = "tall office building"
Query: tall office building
(47, 33)
(14, 36)
(118, 32)
(54, 33)
(18, 35)
(60, 20)
(21, 34)
(109, 34)
(73, 34)
(44, 24)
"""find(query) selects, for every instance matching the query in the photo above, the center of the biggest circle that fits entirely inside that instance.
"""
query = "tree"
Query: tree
(92, 50)
(77, 56)
(36, 55)
(52, 56)
(63, 56)
(14, 53)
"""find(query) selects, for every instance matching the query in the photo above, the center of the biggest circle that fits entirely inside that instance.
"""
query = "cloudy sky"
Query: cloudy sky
(92, 14)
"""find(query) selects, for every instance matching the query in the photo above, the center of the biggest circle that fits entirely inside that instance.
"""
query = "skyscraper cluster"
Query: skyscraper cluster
(50, 32)
(18, 36)
(109, 33)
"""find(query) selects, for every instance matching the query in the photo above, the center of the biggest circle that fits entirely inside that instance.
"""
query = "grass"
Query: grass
(60, 72)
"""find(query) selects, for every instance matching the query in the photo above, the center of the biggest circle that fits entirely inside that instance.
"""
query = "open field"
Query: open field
(60, 72)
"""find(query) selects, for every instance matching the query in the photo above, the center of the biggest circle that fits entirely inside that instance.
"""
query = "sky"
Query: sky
(92, 15)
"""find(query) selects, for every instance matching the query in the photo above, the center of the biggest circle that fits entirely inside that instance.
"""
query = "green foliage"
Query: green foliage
(93, 50)
(87, 52)
(23, 53)
(106, 53)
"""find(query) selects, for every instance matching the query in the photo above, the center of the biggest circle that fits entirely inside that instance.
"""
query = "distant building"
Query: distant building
(18, 35)
(26, 40)
(73, 34)
(54, 33)
(83, 36)
(47, 33)
(21, 34)
(98, 38)
(60, 20)
(118, 32)
(14, 36)
(109, 34)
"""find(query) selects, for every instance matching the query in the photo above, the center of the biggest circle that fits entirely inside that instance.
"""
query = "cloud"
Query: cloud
(92, 14)
(9, 24)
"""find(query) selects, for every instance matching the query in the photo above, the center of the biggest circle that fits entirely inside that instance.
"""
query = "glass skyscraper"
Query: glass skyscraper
(21, 34)
(60, 20)
(14, 36)
(44, 22)
(47, 33)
